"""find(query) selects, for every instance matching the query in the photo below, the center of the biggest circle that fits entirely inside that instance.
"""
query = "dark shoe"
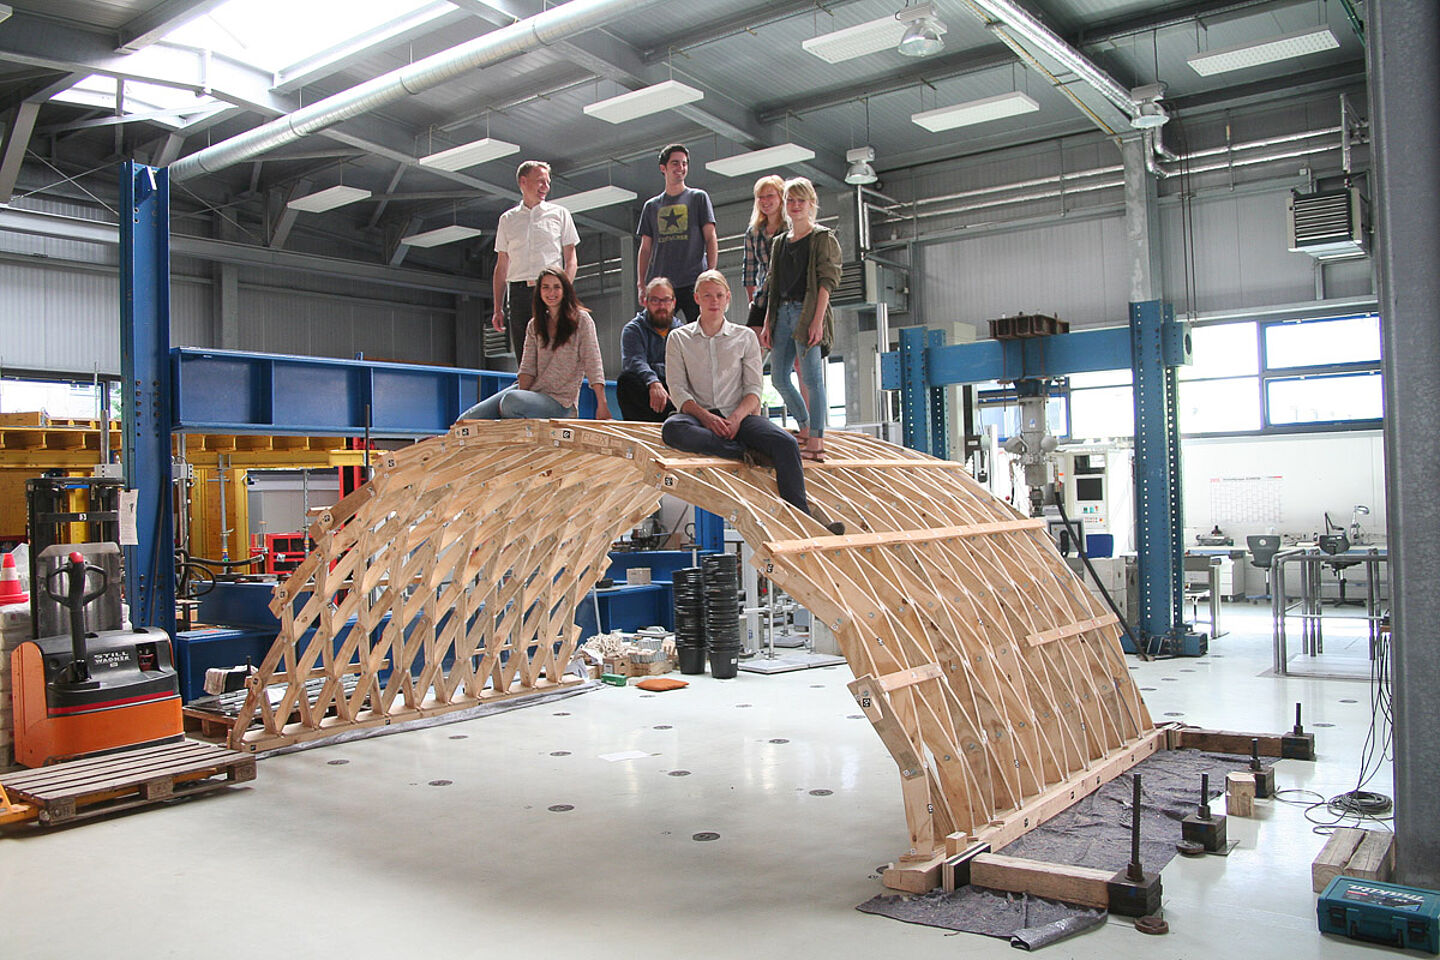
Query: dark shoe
(836, 528)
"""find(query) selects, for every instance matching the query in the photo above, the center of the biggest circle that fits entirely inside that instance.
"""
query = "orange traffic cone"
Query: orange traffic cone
(10, 589)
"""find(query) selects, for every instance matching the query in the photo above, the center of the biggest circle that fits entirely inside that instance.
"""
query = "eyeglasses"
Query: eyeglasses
(659, 299)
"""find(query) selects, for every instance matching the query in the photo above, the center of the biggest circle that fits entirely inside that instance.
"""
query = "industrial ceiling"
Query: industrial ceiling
(65, 128)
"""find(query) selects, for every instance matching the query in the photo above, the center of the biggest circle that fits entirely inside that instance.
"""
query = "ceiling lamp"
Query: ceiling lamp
(767, 159)
(1147, 101)
(643, 102)
(924, 32)
(322, 200)
(434, 238)
(975, 111)
(1258, 52)
(860, 171)
(590, 199)
(469, 154)
(872, 36)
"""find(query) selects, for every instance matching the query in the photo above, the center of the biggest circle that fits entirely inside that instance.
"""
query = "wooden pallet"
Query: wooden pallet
(214, 717)
(101, 785)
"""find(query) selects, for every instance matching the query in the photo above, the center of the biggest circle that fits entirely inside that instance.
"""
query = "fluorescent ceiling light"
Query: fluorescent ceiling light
(870, 37)
(643, 102)
(322, 200)
(469, 154)
(1258, 52)
(434, 238)
(590, 199)
(766, 159)
(976, 111)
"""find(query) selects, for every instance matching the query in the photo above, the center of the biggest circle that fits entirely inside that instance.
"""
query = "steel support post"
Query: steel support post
(914, 402)
(145, 404)
(1403, 50)
(939, 400)
(1159, 534)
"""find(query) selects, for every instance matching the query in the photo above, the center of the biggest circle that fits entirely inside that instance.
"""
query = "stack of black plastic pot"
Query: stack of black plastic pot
(689, 589)
(722, 613)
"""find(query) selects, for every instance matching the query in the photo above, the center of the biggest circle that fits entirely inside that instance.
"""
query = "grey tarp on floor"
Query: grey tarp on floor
(1095, 832)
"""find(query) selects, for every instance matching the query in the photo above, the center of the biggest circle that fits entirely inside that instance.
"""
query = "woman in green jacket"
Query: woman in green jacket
(804, 271)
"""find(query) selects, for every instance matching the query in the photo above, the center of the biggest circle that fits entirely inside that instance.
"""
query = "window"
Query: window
(1219, 406)
(1323, 342)
(1222, 350)
(63, 400)
(1245, 377)
(1293, 400)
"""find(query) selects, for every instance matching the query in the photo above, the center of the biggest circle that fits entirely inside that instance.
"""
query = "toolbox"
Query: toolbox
(1406, 917)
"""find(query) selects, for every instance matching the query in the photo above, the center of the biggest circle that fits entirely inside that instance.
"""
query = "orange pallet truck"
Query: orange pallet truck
(91, 693)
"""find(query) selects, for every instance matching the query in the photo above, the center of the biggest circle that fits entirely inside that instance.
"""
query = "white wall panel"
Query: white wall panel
(1241, 253)
(310, 324)
(1076, 271)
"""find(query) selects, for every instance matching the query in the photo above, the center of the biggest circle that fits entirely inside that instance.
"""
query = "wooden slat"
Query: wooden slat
(853, 541)
(905, 678)
(1071, 630)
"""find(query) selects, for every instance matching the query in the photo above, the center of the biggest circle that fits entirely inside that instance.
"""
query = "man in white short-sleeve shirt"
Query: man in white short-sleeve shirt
(531, 236)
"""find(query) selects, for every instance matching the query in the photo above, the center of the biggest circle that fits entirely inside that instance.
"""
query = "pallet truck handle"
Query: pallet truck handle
(74, 599)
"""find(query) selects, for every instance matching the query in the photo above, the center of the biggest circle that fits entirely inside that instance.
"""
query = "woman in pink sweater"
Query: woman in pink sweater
(561, 349)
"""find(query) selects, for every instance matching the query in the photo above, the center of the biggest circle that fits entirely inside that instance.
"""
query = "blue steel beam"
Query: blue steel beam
(1060, 355)
(145, 374)
(914, 405)
(939, 399)
(229, 391)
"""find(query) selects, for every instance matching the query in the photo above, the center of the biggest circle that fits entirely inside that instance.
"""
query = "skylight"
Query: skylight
(274, 34)
(138, 98)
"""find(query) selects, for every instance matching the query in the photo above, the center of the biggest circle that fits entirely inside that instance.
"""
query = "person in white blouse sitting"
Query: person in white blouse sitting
(560, 351)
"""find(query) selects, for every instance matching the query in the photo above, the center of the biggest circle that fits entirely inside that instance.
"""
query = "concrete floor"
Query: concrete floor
(452, 842)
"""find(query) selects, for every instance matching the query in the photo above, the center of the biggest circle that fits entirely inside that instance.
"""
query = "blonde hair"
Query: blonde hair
(771, 182)
(713, 276)
(803, 188)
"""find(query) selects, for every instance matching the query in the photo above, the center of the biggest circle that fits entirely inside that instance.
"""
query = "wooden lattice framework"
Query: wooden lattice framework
(990, 673)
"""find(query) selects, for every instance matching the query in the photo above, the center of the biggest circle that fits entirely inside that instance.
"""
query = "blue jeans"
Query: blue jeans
(512, 403)
(782, 362)
(684, 432)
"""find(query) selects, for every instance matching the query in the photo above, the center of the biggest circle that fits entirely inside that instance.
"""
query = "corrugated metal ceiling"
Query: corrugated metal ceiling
(760, 89)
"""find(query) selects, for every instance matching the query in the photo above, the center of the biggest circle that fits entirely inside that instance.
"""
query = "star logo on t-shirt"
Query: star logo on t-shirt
(675, 220)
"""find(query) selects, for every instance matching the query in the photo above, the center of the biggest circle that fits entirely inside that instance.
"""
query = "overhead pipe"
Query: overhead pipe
(555, 24)
(1103, 184)
(1019, 20)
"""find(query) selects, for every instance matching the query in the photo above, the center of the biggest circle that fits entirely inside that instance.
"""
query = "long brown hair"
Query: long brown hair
(570, 306)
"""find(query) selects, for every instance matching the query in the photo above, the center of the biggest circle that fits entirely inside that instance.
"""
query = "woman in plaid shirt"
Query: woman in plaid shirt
(766, 222)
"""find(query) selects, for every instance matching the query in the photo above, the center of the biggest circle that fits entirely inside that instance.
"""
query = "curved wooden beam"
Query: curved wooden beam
(451, 579)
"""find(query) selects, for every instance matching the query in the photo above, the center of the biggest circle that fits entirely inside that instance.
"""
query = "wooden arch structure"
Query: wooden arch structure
(990, 673)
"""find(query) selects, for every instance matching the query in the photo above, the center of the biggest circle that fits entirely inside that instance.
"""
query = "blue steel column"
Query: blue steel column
(939, 398)
(145, 404)
(1159, 526)
(914, 405)
(1404, 66)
